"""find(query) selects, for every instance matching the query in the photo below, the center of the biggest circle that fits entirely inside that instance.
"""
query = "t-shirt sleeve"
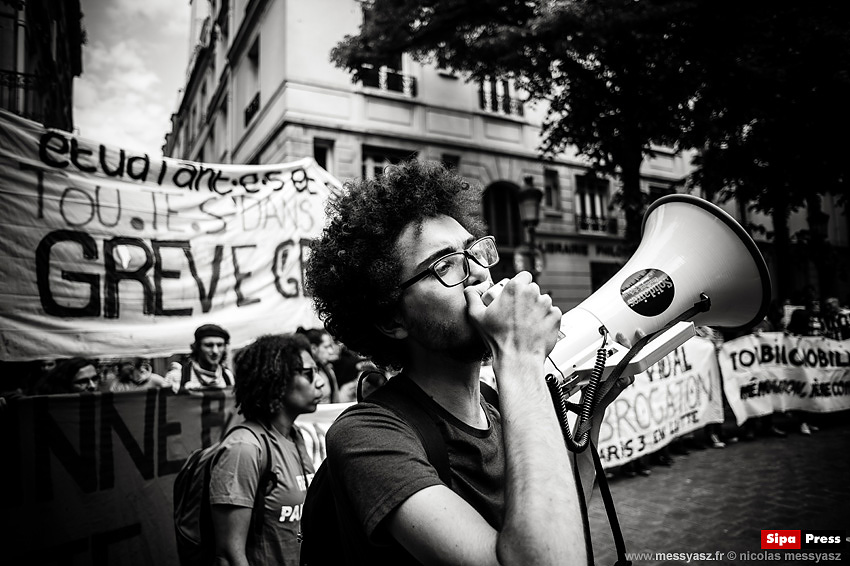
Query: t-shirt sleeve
(379, 461)
(236, 470)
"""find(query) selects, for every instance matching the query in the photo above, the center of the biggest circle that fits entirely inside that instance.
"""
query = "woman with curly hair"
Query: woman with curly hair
(276, 381)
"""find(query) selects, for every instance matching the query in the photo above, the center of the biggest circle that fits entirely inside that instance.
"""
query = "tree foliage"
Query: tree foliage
(770, 112)
(759, 89)
(609, 71)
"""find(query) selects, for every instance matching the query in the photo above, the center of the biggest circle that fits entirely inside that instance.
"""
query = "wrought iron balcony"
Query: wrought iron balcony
(389, 80)
(596, 224)
(23, 94)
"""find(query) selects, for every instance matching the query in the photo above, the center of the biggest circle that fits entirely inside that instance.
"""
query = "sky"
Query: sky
(134, 64)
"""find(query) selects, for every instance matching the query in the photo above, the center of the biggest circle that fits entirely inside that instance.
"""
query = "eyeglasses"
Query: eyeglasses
(453, 269)
(309, 373)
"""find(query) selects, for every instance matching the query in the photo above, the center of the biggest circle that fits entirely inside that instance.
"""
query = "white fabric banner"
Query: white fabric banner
(678, 395)
(110, 252)
(772, 371)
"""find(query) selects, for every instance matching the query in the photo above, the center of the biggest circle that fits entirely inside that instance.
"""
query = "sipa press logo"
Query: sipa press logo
(780, 539)
(774, 539)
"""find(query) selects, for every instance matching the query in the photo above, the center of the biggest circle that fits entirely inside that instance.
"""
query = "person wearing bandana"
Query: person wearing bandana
(205, 367)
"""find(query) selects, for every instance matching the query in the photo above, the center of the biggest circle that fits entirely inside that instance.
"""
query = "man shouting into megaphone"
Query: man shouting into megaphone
(397, 275)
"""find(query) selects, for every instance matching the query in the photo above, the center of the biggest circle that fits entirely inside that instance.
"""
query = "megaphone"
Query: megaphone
(694, 262)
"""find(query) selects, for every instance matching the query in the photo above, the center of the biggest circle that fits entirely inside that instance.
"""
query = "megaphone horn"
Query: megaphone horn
(694, 263)
(690, 249)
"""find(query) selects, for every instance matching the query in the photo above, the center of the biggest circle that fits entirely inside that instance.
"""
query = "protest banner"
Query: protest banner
(678, 395)
(107, 252)
(88, 479)
(774, 372)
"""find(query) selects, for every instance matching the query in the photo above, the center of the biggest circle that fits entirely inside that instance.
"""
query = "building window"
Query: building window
(601, 273)
(376, 159)
(501, 212)
(193, 123)
(221, 125)
(551, 189)
(387, 74)
(323, 153)
(592, 194)
(498, 96)
(253, 83)
(388, 78)
(211, 142)
(500, 204)
(223, 20)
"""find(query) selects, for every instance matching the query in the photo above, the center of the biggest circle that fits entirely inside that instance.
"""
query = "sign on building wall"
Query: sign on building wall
(106, 251)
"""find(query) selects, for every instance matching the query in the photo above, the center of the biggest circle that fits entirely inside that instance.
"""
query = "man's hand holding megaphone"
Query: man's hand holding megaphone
(514, 316)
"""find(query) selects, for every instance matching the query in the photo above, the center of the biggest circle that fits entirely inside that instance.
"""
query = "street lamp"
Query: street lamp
(529, 213)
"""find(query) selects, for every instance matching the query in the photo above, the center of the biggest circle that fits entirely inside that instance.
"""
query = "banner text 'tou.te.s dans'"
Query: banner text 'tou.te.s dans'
(111, 252)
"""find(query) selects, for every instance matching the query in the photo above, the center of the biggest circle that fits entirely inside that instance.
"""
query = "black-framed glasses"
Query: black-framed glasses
(309, 373)
(453, 269)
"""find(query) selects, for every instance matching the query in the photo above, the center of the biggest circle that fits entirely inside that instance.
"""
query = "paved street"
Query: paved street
(720, 499)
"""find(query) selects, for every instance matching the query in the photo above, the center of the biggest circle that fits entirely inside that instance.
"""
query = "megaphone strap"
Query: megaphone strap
(613, 521)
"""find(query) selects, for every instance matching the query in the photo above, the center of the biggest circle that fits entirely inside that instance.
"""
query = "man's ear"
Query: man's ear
(393, 326)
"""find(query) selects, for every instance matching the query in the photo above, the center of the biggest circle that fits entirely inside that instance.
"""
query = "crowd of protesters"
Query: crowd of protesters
(814, 318)
(277, 378)
(205, 367)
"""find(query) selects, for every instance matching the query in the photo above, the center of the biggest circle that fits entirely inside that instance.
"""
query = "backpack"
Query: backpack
(321, 517)
(192, 510)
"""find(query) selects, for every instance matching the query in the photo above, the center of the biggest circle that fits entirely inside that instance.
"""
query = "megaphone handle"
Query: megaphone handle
(701, 306)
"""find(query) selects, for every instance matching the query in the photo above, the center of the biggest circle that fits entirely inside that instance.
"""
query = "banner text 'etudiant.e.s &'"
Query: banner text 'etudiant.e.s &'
(111, 252)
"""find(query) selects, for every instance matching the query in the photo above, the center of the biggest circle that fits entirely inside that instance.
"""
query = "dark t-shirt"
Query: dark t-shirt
(377, 461)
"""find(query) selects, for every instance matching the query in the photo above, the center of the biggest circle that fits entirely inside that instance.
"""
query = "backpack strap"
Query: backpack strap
(489, 394)
(265, 478)
(186, 375)
(401, 400)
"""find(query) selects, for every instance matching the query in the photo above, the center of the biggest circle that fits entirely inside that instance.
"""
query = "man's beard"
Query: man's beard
(463, 345)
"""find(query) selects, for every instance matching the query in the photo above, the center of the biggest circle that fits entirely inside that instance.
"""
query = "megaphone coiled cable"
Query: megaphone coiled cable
(588, 402)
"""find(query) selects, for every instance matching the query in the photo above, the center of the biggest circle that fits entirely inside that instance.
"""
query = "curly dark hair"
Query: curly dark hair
(60, 378)
(354, 268)
(262, 372)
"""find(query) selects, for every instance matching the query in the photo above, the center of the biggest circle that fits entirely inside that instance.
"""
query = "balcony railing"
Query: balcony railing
(252, 108)
(22, 93)
(502, 104)
(596, 224)
(492, 98)
(388, 80)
